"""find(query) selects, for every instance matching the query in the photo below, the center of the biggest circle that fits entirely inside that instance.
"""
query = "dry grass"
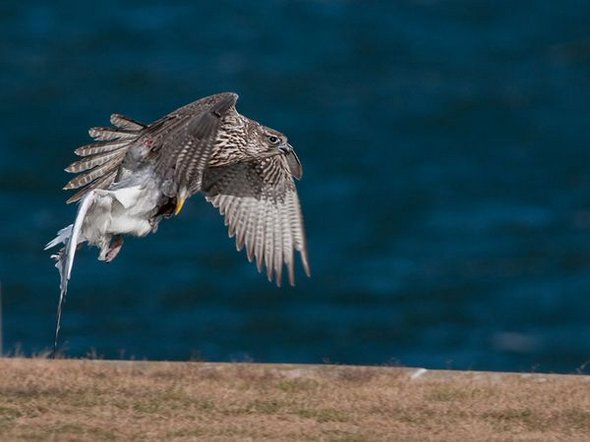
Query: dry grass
(100, 400)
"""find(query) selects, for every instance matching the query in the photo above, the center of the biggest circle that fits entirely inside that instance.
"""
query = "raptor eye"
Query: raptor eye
(273, 139)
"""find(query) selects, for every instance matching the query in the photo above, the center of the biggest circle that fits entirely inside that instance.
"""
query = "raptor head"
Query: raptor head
(266, 142)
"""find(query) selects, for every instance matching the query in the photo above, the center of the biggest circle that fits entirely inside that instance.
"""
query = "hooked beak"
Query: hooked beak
(292, 160)
(286, 149)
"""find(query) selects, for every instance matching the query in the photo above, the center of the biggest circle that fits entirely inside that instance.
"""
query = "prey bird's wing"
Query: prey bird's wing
(261, 208)
(187, 136)
(70, 237)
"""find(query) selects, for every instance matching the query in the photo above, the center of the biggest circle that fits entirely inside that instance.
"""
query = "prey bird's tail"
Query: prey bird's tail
(64, 259)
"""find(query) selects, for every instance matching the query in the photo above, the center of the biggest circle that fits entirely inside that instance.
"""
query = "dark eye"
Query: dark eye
(273, 139)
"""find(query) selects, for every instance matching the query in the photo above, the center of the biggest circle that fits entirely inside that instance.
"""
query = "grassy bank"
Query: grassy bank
(101, 400)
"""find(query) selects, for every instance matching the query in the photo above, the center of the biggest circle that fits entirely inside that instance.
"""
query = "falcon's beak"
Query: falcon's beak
(292, 160)
(286, 148)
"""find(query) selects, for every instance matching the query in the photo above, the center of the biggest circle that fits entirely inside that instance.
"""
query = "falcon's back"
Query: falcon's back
(166, 144)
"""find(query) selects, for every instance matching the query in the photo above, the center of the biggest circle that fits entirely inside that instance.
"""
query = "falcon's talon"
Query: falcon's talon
(179, 205)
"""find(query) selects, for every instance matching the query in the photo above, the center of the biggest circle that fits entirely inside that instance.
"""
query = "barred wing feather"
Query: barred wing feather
(187, 136)
(261, 208)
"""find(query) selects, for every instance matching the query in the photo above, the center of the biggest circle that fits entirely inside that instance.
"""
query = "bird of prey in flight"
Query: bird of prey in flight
(136, 174)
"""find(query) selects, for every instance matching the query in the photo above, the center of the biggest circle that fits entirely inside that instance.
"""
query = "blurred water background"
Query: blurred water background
(446, 185)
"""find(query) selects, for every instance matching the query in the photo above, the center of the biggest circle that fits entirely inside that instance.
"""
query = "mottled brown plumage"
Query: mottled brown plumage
(244, 169)
(134, 175)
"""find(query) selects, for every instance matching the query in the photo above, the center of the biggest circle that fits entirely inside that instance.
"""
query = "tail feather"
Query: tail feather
(88, 177)
(123, 122)
(100, 147)
(109, 133)
(94, 161)
(102, 183)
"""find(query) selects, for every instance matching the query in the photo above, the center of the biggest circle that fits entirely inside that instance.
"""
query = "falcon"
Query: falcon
(134, 175)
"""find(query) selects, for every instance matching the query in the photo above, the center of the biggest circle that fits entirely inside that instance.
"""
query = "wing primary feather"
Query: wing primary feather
(269, 242)
(287, 240)
(259, 241)
(298, 233)
(236, 213)
(251, 231)
(218, 203)
(278, 247)
(242, 223)
(93, 161)
(230, 215)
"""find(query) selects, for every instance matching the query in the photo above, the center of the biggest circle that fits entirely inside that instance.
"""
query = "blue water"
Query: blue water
(446, 188)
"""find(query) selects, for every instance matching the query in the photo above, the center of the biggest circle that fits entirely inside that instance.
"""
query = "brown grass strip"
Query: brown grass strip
(100, 400)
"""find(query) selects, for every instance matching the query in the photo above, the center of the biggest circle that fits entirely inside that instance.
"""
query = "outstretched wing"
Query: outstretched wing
(261, 208)
(187, 136)
(180, 143)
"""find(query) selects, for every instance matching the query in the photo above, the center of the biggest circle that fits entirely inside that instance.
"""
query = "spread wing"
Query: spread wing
(261, 208)
(187, 137)
(180, 143)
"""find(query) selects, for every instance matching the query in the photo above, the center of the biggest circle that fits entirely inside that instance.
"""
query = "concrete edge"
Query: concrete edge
(311, 370)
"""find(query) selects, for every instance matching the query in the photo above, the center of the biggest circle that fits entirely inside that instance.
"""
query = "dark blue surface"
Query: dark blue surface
(446, 179)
